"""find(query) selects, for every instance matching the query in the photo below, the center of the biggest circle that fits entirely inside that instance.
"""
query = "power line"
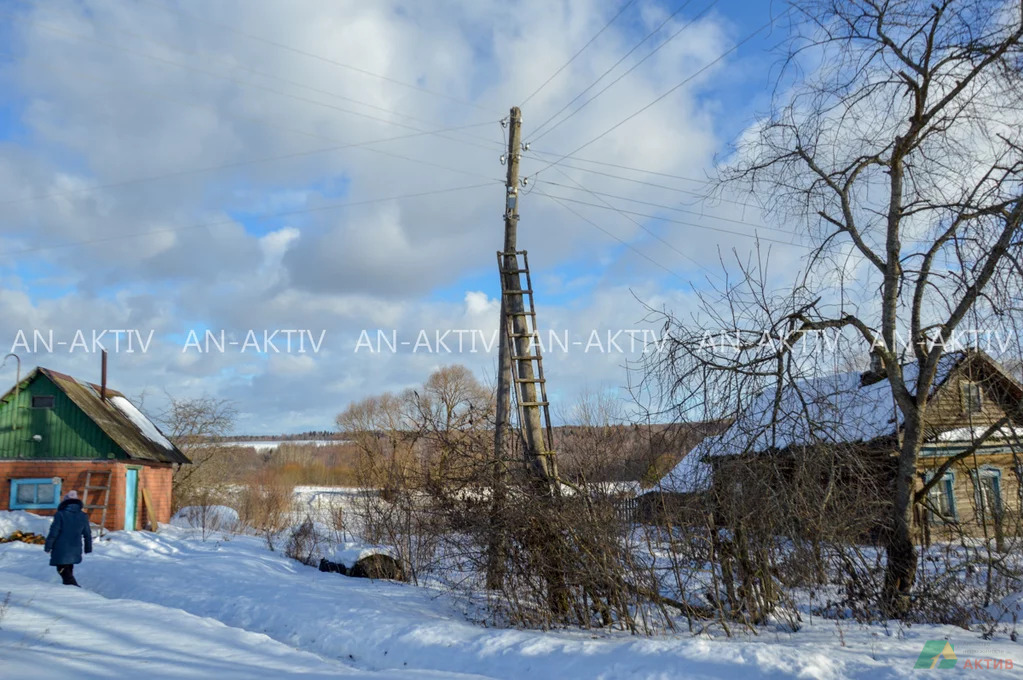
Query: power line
(626, 167)
(665, 207)
(233, 64)
(684, 223)
(367, 146)
(264, 216)
(582, 49)
(633, 220)
(318, 57)
(624, 243)
(630, 70)
(661, 97)
(613, 67)
(257, 86)
(674, 208)
(702, 197)
(213, 168)
(417, 133)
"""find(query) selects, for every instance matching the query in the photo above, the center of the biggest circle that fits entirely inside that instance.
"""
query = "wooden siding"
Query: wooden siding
(968, 515)
(67, 432)
(945, 410)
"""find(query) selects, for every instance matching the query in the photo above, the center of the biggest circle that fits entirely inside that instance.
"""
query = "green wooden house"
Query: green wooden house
(58, 433)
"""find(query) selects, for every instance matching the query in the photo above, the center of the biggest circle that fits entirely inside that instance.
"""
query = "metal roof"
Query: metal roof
(127, 433)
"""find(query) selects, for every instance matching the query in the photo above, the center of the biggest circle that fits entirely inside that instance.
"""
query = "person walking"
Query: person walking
(69, 530)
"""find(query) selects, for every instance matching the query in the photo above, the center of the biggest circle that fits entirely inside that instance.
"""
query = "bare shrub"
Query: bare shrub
(419, 449)
(305, 542)
(207, 514)
(335, 516)
(265, 505)
(406, 520)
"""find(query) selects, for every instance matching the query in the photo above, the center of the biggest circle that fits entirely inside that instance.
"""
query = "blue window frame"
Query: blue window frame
(943, 498)
(35, 494)
(987, 490)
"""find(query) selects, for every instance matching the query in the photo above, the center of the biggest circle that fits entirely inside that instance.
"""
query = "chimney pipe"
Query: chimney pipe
(103, 378)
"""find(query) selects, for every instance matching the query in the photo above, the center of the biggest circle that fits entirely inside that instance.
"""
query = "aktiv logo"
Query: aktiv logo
(937, 654)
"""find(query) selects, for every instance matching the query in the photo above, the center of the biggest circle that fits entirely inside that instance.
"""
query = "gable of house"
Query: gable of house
(52, 416)
(978, 393)
(41, 422)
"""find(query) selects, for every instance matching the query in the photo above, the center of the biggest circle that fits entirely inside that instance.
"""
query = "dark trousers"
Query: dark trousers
(67, 574)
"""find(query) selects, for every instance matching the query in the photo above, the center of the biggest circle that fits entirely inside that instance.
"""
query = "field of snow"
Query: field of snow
(264, 445)
(170, 605)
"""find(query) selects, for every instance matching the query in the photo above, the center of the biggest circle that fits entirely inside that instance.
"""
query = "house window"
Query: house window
(970, 392)
(987, 485)
(942, 498)
(35, 494)
(42, 401)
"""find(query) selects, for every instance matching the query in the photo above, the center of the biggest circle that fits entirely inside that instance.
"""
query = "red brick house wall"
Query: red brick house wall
(156, 479)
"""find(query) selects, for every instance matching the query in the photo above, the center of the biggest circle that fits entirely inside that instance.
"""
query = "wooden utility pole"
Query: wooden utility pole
(519, 347)
(497, 550)
(516, 371)
(517, 355)
(511, 224)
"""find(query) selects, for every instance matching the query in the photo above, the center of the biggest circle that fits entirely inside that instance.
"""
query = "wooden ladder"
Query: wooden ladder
(104, 488)
(529, 385)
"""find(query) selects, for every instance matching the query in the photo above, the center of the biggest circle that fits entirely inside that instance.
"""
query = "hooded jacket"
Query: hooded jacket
(69, 530)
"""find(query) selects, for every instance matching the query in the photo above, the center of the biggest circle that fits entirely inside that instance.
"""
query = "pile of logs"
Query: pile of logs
(24, 537)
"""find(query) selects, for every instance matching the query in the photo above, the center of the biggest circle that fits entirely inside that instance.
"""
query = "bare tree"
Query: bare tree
(194, 426)
(420, 449)
(453, 411)
(898, 157)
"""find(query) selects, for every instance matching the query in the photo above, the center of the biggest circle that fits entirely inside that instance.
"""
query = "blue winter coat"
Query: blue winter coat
(69, 529)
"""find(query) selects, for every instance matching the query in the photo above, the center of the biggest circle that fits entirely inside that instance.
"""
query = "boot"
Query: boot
(67, 574)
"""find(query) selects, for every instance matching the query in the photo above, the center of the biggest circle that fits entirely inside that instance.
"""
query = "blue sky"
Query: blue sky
(195, 250)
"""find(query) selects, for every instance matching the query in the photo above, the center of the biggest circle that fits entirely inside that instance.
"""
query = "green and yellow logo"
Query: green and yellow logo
(937, 654)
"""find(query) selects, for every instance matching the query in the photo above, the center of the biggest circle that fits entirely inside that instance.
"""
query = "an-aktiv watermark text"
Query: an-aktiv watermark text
(93, 341)
(474, 340)
(131, 340)
(266, 341)
(806, 342)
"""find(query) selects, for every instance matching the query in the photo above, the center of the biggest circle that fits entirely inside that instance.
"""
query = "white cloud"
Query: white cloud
(177, 94)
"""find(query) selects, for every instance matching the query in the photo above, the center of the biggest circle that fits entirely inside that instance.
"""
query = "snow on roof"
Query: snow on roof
(970, 434)
(834, 408)
(144, 425)
(691, 474)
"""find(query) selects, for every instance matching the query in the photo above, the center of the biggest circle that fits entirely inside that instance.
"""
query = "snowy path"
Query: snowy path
(363, 626)
(50, 631)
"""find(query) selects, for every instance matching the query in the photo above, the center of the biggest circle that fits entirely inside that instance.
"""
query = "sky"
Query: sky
(296, 205)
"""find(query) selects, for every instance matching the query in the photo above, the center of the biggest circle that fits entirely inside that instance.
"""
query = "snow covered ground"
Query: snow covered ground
(170, 605)
(56, 632)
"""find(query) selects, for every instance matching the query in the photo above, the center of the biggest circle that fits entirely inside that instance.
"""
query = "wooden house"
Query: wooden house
(855, 414)
(59, 434)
